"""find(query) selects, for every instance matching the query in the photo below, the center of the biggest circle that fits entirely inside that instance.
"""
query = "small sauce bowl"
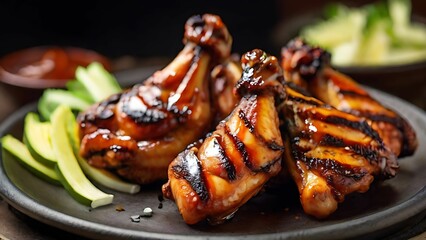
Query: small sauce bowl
(26, 73)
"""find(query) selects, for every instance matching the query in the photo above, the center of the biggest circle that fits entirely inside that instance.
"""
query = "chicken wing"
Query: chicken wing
(330, 153)
(137, 133)
(309, 68)
(238, 158)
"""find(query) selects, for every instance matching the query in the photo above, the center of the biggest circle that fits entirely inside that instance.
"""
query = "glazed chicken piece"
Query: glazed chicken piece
(224, 77)
(309, 68)
(234, 162)
(330, 153)
(137, 133)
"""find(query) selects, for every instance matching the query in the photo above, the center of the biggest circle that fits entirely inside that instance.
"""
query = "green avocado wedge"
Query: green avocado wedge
(52, 98)
(17, 150)
(37, 139)
(68, 168)
(98, 82)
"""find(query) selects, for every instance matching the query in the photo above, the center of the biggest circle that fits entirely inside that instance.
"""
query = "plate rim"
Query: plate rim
(402, 212)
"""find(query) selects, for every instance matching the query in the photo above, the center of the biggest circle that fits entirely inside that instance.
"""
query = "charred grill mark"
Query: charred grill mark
(269, 144)
(328, 140)
(360, 126)
(240, 146)
(225, 162)
(242, 149)
(375, 117)
(105, 114)
(104, 111)
(113, 99)
(396, 121)
(364, 151)
(146, 116)
(304, 100)
(181, 115)
(323, 165)
(189, 168)
(247, 122)
(274, 146)
(156, 114)
(156, 111)
(268, 166)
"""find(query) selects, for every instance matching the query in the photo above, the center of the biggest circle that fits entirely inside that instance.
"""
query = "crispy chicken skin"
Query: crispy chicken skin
(234, 162)
(138, 132)
(309, 68)
(330, 153)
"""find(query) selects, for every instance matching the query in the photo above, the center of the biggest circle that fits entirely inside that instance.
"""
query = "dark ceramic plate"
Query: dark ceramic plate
(386, 208)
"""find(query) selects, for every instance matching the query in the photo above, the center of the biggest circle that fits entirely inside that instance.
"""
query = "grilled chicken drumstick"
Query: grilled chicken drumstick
(239, 157)
(330, 153)
(309, 67)
(137, 133)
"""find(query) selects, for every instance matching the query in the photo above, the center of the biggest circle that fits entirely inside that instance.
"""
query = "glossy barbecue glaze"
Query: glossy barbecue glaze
(330, 153)
(309, 68)
(235, 161)
(138, 132)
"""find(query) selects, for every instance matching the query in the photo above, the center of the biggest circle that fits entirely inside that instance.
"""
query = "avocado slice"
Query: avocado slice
(98, 82)
(68, 168)
(37, 139)
(20, 152)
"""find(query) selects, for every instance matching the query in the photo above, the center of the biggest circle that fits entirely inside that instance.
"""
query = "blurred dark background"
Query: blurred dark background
(136, 28)
(145, 28)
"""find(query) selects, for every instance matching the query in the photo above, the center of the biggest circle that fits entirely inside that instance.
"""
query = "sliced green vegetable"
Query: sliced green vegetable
(78, 89)
(68, 168)
(20, 152)
(37, 139)
(97, 81)
(97, 71)
(375, 45)
(400, 11)
(406, 33)
(337, 30)
(375, 13)
(101, 176)
(380, 33)
(346, 53)
(93, 84)
(52, 98)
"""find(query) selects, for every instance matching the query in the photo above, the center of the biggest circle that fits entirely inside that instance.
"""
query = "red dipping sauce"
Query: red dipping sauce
(47, 66)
